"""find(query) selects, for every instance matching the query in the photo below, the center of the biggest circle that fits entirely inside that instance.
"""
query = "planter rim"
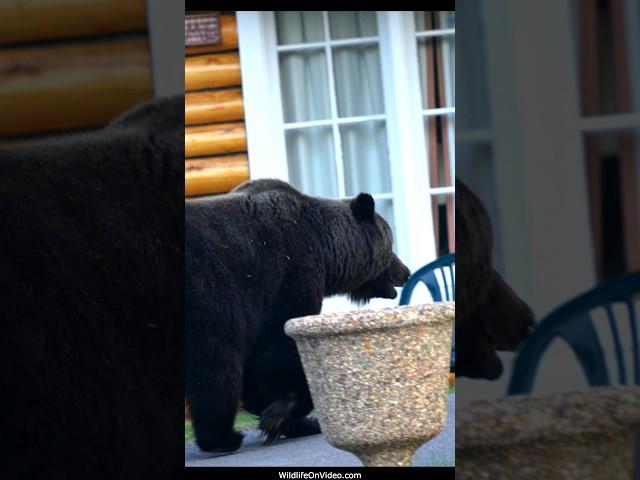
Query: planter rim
(517, 419)
(338, 323)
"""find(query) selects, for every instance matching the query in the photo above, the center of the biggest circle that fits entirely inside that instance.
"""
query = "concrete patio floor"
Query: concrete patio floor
(314, 451)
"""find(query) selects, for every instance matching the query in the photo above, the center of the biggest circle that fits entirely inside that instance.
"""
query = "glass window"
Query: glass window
(299, 27)
(353, 24)
(435, 20)
(358, 80)
(310, 156)
(333, 103)
(304, 75)
(612, 162)
(435, 36)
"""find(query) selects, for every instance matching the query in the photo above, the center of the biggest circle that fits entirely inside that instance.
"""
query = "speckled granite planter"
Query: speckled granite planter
(378, 378)
(574, 435)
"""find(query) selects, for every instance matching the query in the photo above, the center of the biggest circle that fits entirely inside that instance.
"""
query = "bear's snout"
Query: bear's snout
(399, 273)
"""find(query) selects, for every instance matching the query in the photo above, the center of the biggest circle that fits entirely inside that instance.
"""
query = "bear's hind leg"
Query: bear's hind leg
(214, 396)
(213, 416)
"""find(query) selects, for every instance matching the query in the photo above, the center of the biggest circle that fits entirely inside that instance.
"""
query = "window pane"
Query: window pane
(437, 62)
(435, 20)
(305, 88)
(443, 223)
(366, 158)
(358, 80)
(299, 27)
(311, 161)
(353, 24)
(607, 49)
(612, 166)
(441, 142)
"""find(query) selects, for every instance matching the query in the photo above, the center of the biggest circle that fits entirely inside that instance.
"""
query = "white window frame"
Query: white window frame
(408, 154)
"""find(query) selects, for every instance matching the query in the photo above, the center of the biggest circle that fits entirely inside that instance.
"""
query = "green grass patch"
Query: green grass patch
(244, 421)
(188, 432)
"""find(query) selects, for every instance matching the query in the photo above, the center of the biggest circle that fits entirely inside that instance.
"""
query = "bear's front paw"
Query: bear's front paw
(275, 417)
(301, 427)
(272, 428)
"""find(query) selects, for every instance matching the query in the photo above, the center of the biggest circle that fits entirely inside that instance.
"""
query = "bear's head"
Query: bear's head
(389, 270)
(490, 316)
(383, 286)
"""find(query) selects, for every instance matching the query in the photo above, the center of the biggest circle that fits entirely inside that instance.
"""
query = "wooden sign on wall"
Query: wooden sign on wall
(202, 29)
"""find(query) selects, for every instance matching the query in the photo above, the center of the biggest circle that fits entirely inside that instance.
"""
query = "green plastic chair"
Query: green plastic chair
(573, 323)
(427, 275)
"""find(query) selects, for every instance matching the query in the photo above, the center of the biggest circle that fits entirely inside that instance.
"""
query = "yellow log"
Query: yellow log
(29, 20)
(212, 71)
(215, 174)
(215, 139)
(215, 106)
(73, 85)
(229, 33)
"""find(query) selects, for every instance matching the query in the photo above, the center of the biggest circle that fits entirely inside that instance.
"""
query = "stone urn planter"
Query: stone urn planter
(574, 435)
(379, 379)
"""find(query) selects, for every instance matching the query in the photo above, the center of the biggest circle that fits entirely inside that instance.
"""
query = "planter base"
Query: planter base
(396, 457)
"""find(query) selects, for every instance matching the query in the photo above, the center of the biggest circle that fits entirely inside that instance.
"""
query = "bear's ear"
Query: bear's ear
(363, 206)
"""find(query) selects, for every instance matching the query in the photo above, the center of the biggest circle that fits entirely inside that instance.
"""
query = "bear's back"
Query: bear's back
(238, 247)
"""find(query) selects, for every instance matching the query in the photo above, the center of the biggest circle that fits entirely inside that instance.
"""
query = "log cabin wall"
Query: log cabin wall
(67, 65)
(215, 136)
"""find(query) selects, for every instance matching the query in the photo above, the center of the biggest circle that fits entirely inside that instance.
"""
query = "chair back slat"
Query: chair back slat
(453, 282)
(622, 372)
(573, 322)
(434, 276)
(633, 327)
(430, 280)
(448, 281)
(583, 338)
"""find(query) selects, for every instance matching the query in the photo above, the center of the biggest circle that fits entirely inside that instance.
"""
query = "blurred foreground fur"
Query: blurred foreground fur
(91, 288)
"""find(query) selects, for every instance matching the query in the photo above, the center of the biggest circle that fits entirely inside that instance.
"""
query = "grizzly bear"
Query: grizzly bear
(255, 258)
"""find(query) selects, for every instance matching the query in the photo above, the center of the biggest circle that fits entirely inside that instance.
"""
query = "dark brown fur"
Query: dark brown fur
(489, 314)
(91, 261)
